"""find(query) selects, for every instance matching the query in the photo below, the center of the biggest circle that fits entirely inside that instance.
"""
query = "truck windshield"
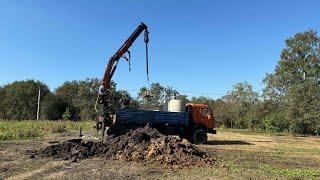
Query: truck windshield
(205, 112)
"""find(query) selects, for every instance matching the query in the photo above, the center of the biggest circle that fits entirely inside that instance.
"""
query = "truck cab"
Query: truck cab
(201, 122)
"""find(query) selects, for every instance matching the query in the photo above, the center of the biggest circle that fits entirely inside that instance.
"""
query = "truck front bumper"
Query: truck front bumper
(211, 131)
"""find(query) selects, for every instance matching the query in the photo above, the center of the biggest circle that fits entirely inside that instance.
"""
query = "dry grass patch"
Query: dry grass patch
(10, 130)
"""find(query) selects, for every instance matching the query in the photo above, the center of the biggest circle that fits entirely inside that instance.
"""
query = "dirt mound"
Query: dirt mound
(143, 145)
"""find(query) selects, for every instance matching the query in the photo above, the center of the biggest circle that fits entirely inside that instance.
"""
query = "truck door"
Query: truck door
(207, 117)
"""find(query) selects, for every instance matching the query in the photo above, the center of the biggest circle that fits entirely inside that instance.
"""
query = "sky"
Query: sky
(197, 47)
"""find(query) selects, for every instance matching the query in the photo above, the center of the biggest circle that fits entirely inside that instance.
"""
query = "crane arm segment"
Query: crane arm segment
(113, 61)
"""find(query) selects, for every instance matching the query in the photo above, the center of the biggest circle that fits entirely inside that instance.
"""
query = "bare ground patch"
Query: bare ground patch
(239, 156)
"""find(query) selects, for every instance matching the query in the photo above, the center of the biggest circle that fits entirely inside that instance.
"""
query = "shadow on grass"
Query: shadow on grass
(227, 142)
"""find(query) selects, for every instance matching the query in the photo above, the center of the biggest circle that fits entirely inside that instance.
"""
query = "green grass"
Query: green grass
(273, 171)
(294, 172)
(315, 150)
(27, 129)
(256, 132)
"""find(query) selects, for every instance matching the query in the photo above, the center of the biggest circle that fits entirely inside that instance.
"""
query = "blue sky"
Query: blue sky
(198, 47)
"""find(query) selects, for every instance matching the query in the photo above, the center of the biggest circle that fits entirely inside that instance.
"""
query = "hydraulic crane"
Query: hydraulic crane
(189, 121)
(104, 90)
(113, 61)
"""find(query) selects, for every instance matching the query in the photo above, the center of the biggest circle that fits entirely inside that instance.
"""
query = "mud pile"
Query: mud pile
(143, 145)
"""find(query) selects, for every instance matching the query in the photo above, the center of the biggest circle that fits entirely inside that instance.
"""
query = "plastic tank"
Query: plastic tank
(176, 105)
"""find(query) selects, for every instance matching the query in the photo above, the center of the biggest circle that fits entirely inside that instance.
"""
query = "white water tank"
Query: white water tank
(176, 105)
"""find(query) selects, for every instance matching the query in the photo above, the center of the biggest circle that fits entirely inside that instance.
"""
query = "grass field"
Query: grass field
(240, 155)
(267, 156)
(38, 129)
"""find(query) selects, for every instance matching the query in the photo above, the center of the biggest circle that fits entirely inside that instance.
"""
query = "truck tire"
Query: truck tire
(199, 136)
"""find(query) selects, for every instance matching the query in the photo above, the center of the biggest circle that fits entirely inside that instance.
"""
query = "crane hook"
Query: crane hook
(146, 40)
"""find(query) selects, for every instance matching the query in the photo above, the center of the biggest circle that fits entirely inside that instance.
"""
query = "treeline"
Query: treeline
(290, 101)
(73, 100)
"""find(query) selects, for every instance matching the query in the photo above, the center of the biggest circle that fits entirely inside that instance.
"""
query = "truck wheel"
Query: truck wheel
(199, 136)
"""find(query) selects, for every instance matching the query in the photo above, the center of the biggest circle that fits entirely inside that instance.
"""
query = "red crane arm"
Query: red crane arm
(113, 61)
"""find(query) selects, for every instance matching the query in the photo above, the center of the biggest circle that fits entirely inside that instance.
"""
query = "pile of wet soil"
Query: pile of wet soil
(143, 145)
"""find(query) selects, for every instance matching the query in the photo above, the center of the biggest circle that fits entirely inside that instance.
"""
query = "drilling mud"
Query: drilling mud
(143, 145)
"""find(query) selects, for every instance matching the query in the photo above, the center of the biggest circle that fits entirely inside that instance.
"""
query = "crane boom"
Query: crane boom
(104, 97)
(113, 61)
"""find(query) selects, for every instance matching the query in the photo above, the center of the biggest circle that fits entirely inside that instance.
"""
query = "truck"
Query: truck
(192, 124)
(190, 121)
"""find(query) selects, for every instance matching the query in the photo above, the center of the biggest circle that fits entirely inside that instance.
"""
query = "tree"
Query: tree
(19, 99)
(52, 107)
(222, 112)
(241, 101)
(80, 97)
(294, 85)
(2, 107)
(302, 108)
(299, 61)
(86, 98)
(134, 104)
(203, 100)
(159, 95)
(68, 93)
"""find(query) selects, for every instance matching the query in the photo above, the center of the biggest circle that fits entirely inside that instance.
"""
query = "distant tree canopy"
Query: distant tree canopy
(79, 97)
(158, 94)
(236, 109)
(241, 103)
(73, 99)
(290, 100)
(294, 85)
(19, 99)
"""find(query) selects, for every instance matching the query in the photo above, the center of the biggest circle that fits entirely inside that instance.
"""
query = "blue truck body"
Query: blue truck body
(128, 116)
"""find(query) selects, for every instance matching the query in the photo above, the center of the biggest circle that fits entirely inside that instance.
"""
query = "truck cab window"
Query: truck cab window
(205, 112)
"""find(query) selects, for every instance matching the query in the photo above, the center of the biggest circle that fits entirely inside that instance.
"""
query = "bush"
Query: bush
(273, 123)
(66, 115)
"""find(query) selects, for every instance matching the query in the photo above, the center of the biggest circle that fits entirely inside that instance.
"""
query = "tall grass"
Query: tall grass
(33, 129)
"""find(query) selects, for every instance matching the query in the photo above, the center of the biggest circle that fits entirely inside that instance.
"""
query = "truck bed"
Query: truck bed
(152, 117)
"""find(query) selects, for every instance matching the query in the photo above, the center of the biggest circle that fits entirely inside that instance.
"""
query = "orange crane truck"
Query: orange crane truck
(189, 121)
